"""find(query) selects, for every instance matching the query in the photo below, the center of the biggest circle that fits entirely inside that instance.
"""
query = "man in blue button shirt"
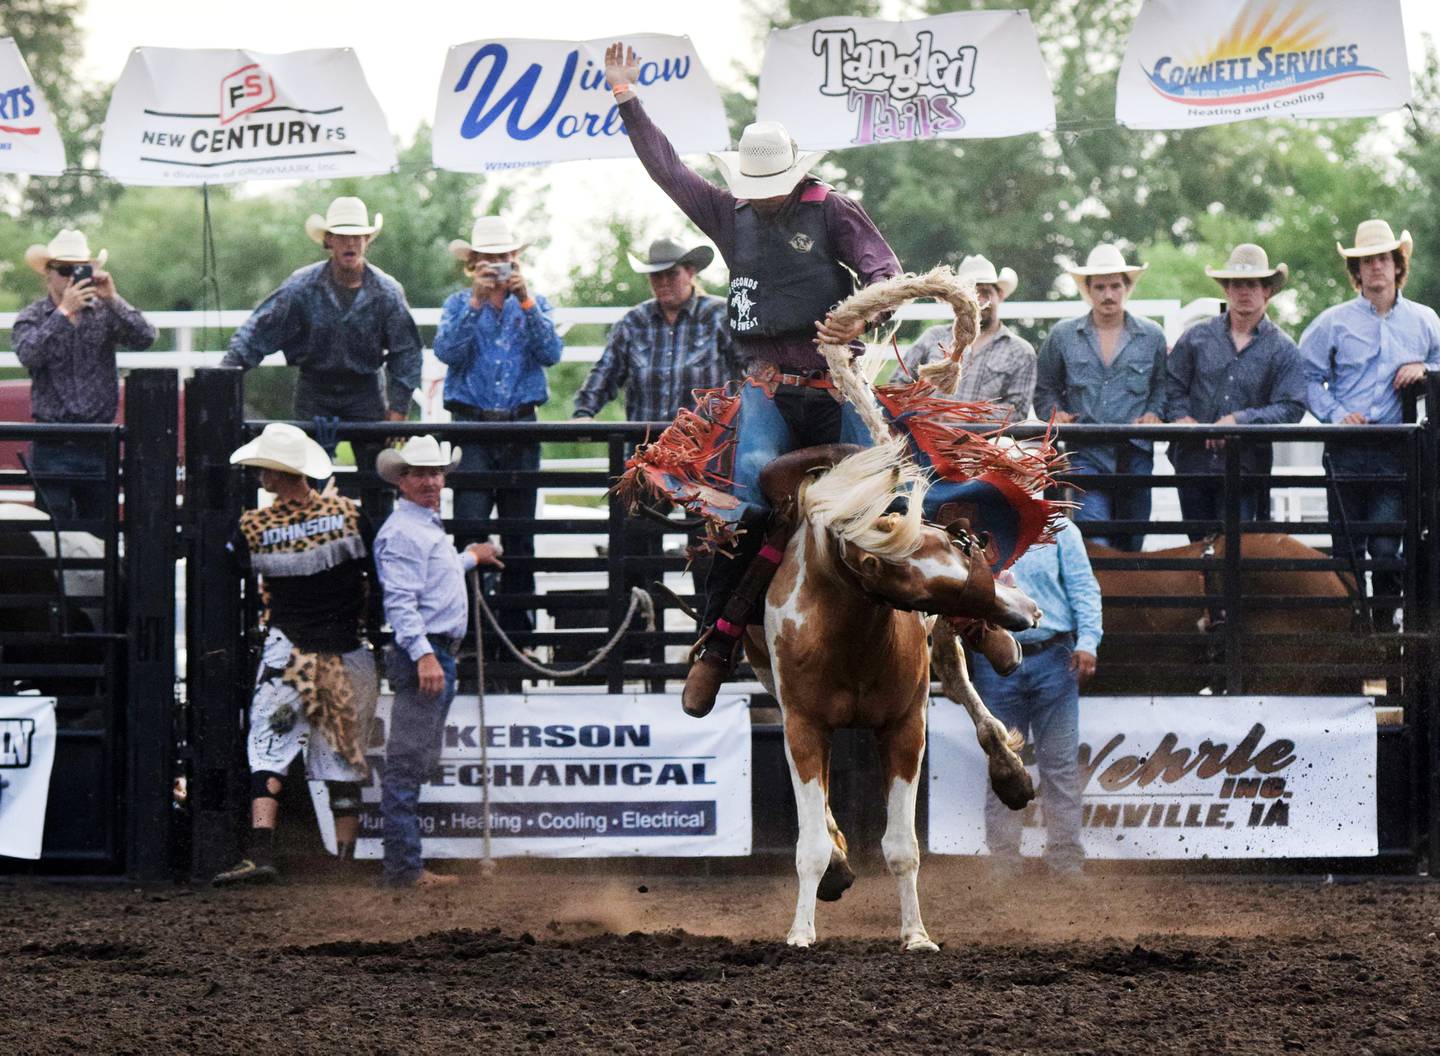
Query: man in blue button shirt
(496, 339)
(1106, 366)
(424, 582)
(1358, 356)
(1236, 369)
(1042, 698)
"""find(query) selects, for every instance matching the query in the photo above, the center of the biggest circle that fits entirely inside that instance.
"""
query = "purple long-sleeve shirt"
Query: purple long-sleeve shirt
(72, 365)
(856, 241)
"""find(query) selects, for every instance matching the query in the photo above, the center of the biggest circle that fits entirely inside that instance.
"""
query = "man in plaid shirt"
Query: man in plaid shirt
(665, 347)
(1000, 366)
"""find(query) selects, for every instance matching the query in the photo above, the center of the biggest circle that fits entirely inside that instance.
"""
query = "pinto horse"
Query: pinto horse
(843, 647)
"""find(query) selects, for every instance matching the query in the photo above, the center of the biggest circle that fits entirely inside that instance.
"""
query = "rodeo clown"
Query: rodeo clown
(317, 683)
(795, 249)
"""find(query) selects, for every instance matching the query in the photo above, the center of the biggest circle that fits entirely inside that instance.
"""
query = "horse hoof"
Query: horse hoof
(1013, 787)
(921, 944)
(800, 942)
(836, 881)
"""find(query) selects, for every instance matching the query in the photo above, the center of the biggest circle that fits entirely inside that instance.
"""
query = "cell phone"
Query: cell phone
(81, 272)
(502, 270)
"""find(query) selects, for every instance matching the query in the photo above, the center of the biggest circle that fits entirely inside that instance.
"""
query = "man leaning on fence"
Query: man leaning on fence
(664, 348)
(1106, 367)
(340, 321)
(424, 581)
(316, 688)
(67, 341)
(1236, 369)
(1358, 356)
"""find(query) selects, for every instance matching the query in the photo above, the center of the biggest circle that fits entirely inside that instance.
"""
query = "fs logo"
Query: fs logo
(243, 92)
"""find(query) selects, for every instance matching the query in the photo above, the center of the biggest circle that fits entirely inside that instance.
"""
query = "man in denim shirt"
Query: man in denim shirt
(424, 582)
(1358, 356)
(1106, 366)
(496, 339)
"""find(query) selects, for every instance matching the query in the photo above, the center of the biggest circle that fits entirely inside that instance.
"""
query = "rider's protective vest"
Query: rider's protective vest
(784, 277)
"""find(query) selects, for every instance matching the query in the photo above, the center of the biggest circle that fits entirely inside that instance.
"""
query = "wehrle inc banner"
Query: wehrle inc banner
(851, 82)
(181, 116)
(576, 775)
(29, 140)
(511, 103)
(1186, 777)
(1189, 64)
(27, 752)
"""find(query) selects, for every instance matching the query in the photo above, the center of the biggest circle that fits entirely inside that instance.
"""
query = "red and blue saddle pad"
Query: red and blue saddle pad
(994, 485)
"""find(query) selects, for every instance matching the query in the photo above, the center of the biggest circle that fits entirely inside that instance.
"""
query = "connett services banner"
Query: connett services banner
(850, 82)
(578, 775)
(1187, 777)
(181, 116)
(510, 103)
(27, 752)
(29, 140)
(1189, 64)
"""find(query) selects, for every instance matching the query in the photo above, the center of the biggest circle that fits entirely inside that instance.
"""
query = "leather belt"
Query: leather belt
(525, 410)
(445, 643)
(769, 377)
(1063, 638)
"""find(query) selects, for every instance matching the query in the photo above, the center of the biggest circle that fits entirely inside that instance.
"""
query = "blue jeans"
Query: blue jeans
(1042, 700)
(70, 475)
(1105, 504)
(1368, 502)
(412, 751)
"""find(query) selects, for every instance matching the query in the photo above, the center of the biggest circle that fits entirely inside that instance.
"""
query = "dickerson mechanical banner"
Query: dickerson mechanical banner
(27, 752)
(180, 116)
(29, 140)
(576, 775)
(853, 82)
(1189, 64)
(1186, 777)
(512, 103)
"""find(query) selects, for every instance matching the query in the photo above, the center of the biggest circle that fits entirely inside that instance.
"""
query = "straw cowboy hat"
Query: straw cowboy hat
(665, 253)
(1249, 261)
(768, 163)
(421, 451)
(286, 448)
(68, 247)
(980, 271)
(1375, 236)
(1104, 259)
(346, 216)
(491, 234)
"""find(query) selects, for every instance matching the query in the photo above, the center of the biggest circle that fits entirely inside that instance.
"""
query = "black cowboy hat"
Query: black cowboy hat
(665, 253)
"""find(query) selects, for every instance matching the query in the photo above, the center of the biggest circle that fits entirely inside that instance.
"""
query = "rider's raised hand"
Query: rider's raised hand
(621, 66)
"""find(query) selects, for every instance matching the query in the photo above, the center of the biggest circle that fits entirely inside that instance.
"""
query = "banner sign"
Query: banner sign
(511, 103)
(27, 752)
(29, 140)
(576, 775)
(851, 82)
(1189, 64)
(1186, 777)
(181, 116)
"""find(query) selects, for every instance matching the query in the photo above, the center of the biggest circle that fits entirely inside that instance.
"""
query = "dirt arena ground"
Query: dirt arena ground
(530, 961)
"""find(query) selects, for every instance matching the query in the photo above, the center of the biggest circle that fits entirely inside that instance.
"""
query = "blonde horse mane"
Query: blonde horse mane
(850, 500)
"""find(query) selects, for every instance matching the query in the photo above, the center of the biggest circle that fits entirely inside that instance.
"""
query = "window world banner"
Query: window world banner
(510, 103)
(27, 752)
(1186, 778)
(180, 116)
(576, 775)
(851, 82)
(29, 140)
(1189, 64)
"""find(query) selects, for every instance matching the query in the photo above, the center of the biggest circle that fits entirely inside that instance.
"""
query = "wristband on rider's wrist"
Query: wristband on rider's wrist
(623, 92)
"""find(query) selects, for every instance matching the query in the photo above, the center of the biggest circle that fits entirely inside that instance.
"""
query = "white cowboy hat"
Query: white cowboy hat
(768, 163)
(1104, 259)
(286, 448)
(68, 247)
(491, 234)
(346, 216)
(1375, 236)
(1249, 261)
(418, 451)
(980, 271)
(665, 253)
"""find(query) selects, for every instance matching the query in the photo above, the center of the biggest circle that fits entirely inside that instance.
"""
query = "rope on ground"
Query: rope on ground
(640, 601)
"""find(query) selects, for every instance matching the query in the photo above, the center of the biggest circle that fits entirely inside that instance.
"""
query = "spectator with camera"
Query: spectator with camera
(67, 341)
(496, 339)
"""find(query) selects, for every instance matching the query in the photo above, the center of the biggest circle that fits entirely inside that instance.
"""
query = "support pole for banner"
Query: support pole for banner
(487, 862)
